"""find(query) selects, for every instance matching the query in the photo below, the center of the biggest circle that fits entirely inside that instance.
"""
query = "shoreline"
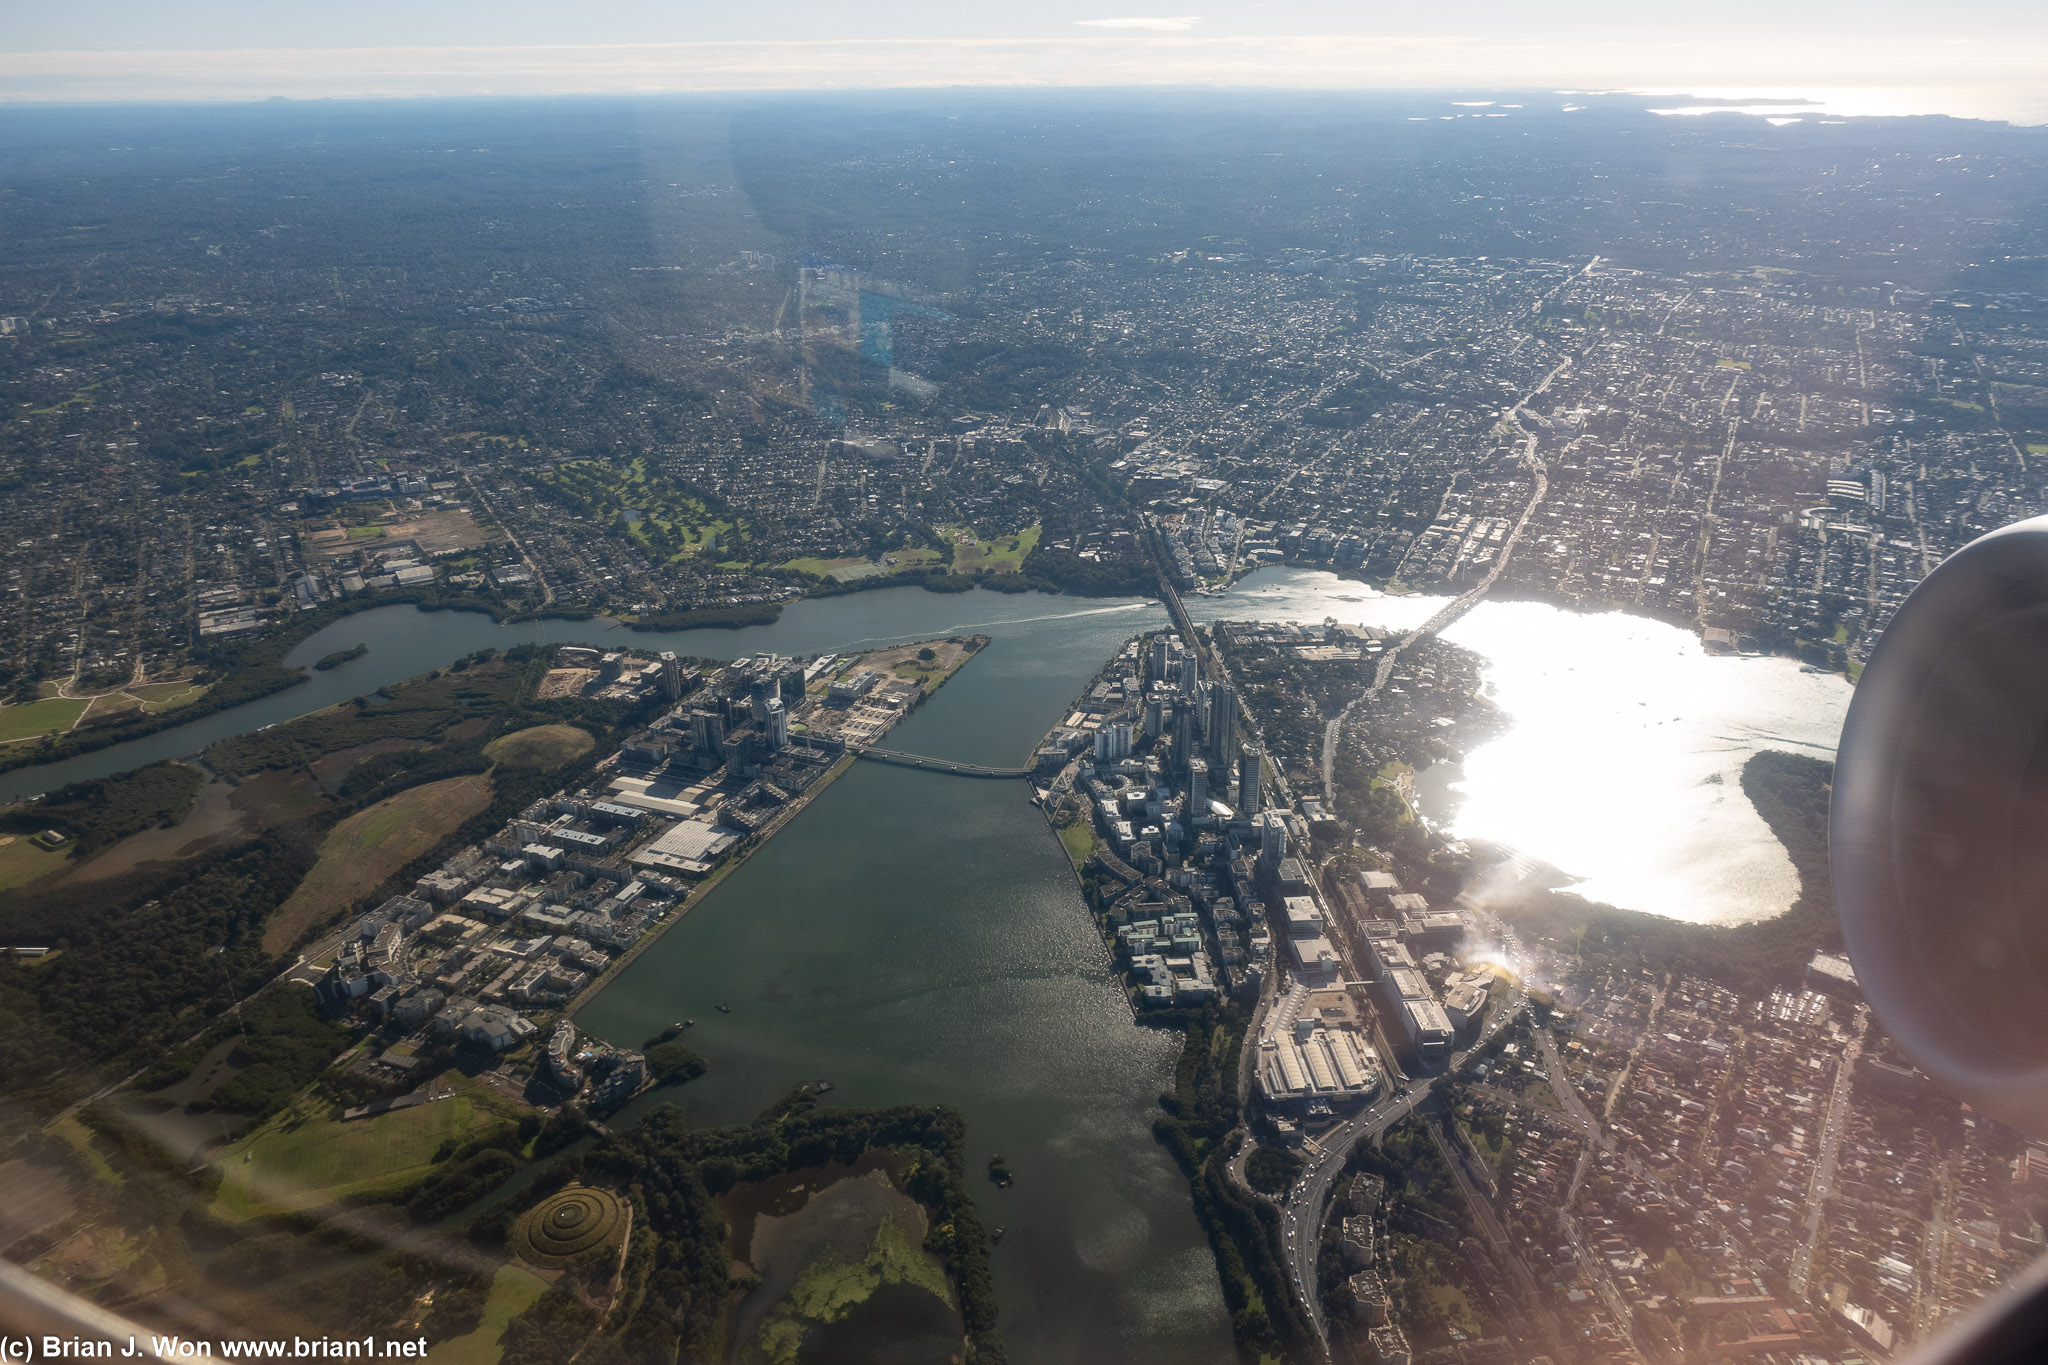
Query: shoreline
(268, 653)
(701, 891)
(698, 893)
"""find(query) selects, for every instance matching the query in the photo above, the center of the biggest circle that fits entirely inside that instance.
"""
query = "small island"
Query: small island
(341, 656)
(999, 1172)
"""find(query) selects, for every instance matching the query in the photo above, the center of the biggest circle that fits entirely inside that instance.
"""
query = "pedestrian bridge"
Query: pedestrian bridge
(939, 765)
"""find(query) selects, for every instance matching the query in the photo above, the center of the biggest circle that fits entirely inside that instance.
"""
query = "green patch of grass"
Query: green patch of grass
(303, 1157)
(1003, 554)
(163, 691)
(1080, 841)
(80, 1138)
(168, 696)
(541, 746)
(107, 703)
(47, 717)
(365, 532)
(24, 861)
(1724, 363)
(514, 1289)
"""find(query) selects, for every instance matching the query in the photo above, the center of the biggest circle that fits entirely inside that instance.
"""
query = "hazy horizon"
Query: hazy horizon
(1979, 59)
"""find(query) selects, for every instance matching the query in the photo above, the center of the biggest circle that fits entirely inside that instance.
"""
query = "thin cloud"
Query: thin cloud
(1180, 24)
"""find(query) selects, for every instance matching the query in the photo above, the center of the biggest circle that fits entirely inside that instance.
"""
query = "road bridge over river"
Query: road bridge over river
(938, 765)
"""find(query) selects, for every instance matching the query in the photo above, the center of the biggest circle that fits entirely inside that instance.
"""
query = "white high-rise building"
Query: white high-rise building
(777, 723)
(1113, 742)
(1272, 838)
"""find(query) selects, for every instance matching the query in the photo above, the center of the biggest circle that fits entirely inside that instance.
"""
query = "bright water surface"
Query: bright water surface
(1622, 725)
(918, 938)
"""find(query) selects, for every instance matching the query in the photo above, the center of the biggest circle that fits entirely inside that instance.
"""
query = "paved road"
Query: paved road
(1301, 1219)
(1459, 605)
(1830, 1143)
(936, 765)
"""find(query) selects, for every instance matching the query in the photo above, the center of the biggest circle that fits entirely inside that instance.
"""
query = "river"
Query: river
(1619, 770)
(918, 938)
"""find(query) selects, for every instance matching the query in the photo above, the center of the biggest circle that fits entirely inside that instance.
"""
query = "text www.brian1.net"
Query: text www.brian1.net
(20, 1350)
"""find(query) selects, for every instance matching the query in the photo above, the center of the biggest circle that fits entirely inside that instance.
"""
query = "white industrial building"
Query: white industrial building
(1303, 1062)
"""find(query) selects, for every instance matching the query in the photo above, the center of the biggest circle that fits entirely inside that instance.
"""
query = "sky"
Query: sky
(148, 50)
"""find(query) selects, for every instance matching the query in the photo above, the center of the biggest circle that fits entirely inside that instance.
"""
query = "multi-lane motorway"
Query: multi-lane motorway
(1302, 1214)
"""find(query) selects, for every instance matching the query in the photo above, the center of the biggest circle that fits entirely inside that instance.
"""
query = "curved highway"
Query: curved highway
(1302, 1215)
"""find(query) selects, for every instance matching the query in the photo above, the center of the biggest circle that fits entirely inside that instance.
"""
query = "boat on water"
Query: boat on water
(724, 1008)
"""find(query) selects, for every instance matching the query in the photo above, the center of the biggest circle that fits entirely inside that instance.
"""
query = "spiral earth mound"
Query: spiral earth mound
(568, 1223)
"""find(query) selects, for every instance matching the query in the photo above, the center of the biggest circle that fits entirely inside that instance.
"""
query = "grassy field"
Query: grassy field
(839, 570)
(107, 703)
(301, 1159)
(1080, 841)
(22, 861)
(163, 696)
(542, 746)
(54, 714)
(849, 567)
(47, 717)
(361, 851)
(513, 1291)
(1004, 554)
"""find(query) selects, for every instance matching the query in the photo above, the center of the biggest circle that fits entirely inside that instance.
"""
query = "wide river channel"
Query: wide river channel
(919, 938)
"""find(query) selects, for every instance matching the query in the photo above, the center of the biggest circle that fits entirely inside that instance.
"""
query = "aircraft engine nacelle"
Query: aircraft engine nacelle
(1939, 829)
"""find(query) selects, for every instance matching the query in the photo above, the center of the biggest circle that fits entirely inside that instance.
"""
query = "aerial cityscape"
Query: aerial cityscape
(973, 726)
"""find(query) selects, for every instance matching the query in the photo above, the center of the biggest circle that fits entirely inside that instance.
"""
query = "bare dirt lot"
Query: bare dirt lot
(432, 532)
(439, 532)
(565, 682)
(904, 662)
